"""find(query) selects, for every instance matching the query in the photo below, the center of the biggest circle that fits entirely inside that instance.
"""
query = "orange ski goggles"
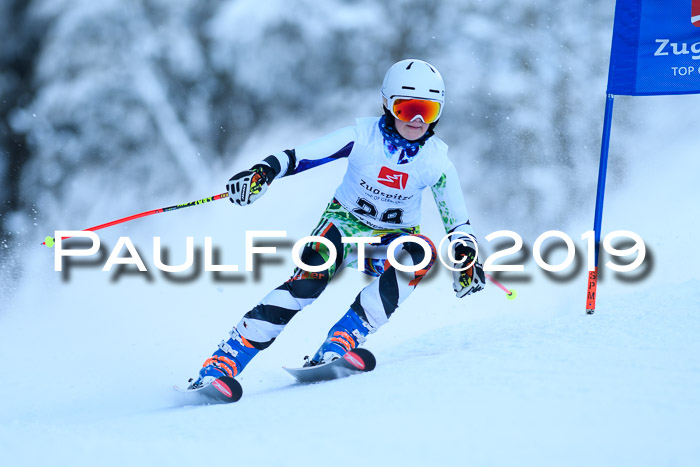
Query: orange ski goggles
(407, 109)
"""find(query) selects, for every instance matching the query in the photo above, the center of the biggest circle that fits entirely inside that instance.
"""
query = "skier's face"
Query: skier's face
(411, 130)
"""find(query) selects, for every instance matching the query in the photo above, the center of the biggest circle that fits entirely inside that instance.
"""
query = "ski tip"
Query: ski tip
(367, 360)
(229, 388)
(221, 390)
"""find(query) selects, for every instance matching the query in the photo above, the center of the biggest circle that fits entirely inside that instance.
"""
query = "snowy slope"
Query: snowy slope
(88, 362)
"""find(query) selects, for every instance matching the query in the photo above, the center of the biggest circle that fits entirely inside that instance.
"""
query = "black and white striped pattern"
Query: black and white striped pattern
(375, 303)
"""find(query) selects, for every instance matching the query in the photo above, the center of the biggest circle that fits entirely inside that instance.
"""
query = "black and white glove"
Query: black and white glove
(247, 186)
(472, 279)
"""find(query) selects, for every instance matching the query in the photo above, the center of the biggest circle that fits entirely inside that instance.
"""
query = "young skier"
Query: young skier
(391, 160)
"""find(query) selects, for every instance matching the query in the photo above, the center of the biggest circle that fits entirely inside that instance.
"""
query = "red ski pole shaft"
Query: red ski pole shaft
(49, 241)
(509, 293)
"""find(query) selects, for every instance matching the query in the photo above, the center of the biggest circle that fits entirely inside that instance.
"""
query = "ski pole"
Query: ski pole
(510, 294)
(49, 240)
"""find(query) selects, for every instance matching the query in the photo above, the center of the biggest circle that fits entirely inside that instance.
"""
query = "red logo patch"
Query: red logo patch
(695, 13)
(222, 388)
(392, 178)
(354, 360)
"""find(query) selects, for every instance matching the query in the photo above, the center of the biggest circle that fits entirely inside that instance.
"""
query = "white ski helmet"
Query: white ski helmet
(413, 78)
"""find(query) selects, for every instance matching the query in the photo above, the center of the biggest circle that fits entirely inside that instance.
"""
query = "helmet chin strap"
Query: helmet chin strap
(389, 118)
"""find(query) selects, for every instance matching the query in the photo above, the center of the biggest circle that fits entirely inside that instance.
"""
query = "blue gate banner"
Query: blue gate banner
(655, 48)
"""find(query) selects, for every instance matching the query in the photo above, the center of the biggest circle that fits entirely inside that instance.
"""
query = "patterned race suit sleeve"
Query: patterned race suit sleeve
(448, 196)
(334, 146)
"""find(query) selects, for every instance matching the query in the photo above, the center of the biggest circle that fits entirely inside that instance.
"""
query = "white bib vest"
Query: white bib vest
(382, 193)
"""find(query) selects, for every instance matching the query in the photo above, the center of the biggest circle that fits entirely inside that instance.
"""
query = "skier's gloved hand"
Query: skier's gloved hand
(247, 186)
(472, 279)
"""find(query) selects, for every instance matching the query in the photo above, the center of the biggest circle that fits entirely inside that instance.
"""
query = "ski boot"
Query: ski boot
(344, 336)
(229, 360)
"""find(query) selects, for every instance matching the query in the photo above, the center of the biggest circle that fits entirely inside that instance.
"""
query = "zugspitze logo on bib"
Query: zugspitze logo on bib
(392, 178)
(695, 13)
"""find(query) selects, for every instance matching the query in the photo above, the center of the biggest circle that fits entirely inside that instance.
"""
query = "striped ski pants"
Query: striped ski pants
(374, 304)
